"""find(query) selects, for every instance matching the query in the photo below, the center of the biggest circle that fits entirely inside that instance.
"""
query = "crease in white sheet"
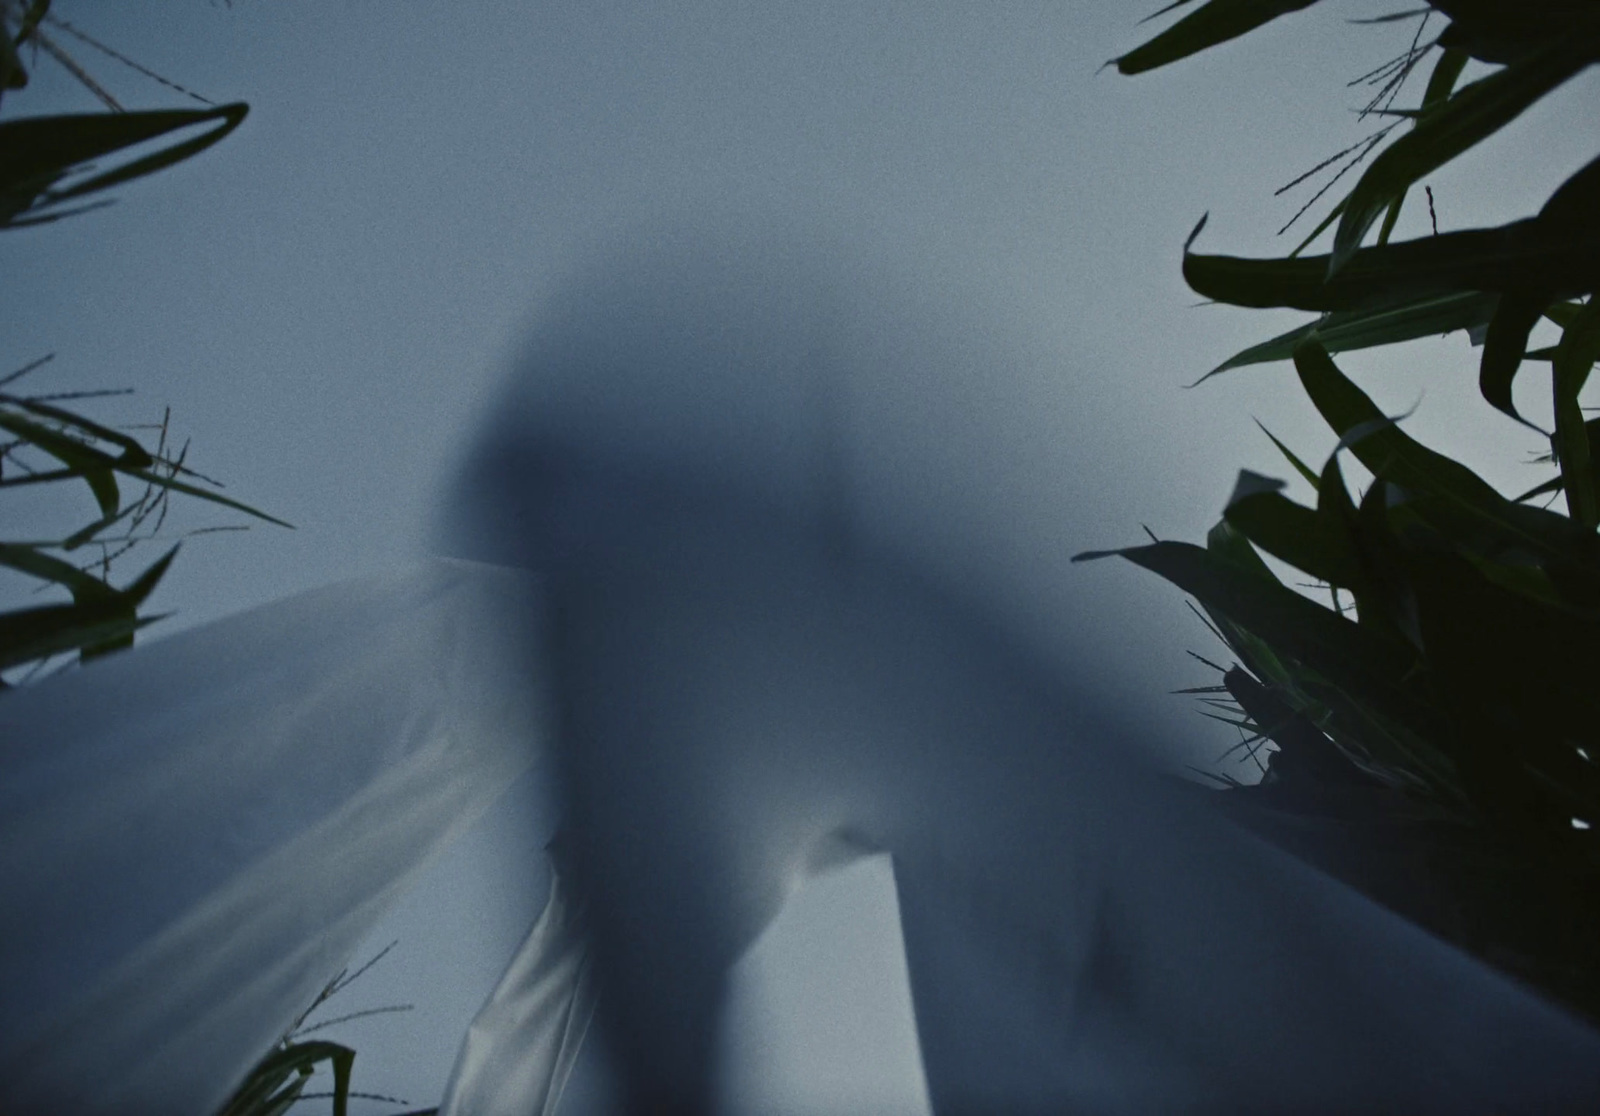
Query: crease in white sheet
(520, 1050)
(195, 836)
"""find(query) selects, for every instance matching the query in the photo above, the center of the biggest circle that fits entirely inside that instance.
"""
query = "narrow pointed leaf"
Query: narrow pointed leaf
(94, 466)
(146, 582)
(1575, 356)
(40, 150)
(203, 494)
(1213, 23)
(1444, 487)
(1294, 626)
(1442, 81)
(1523, 254)
(133, 454)
(1349, 330)
(86, 534)
(1300, 466)
(97, 467)
(1505, 343)
(26, 559)
(1294, 534)
(30, 634)
(1476, 112)
(1227, 544)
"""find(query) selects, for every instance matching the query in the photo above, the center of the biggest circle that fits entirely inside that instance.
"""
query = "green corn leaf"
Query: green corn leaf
(1377, 442)
(1575, 356)
(1442, 81)
(37, 633)
(1574, 209)
(1213, 23)
(1300, 466)
(100, 620)
(1497, 31)
(1452, 495)
(1563, 314)
(85, 589)
(1504, 345)
(1227, 544)
(97, 468)
(1556, 252)
(133, 454)
(1390, 217)
(86, 534)
(298, 1058)
(1292, 625)
(145, 583)
(1475, 112)
(281, 1102)
(1542, 489)
(1527, 254)
(94, 466)
(203, 494)
(1292, 533)
(1349, 330)
(40, 151)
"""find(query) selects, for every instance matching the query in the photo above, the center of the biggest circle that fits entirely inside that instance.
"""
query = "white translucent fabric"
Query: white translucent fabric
(195, 836)
(1080, 936)
(739, 463)
(757, 627)
(521, 1049)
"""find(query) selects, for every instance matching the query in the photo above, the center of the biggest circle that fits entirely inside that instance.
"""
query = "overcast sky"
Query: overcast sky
(330, 298)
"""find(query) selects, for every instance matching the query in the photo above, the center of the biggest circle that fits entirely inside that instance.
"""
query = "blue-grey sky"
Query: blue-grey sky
(330, 298)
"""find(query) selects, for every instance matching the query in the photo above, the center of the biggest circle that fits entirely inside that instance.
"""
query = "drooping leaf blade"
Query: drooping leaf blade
(1213, 23)
(1292, 625)
(1575, 356)
(1474, 113)
(1445, 486)
(1504, 344)
(1299, 466)
(1296, 535)
(1349, 330)
(1523, 254)
(84, 588)
(37, 152)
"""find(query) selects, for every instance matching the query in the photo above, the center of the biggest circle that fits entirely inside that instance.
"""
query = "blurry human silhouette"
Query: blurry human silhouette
(725, 453)
(754, 635)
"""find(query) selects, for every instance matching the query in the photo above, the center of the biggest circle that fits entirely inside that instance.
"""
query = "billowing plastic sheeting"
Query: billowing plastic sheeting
(760, 660)
(765, 644)
(520, 1050)
(195, 836)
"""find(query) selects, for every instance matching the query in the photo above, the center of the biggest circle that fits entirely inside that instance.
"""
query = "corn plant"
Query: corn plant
(278, 1081)
(1436, 724)
(49, 444)
(48, 171)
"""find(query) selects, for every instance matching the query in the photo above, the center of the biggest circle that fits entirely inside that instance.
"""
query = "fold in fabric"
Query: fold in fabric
(520, 1049)
(195, 836)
